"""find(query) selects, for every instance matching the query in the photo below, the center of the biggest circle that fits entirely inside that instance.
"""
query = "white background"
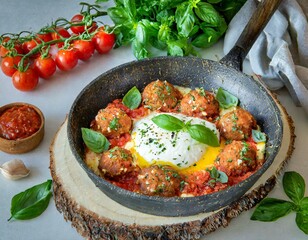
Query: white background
(55, 96)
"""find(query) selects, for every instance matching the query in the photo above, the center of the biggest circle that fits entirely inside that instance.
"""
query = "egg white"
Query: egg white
(151, 144)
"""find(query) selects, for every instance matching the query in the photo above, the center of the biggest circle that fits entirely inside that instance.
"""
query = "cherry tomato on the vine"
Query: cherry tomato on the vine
(45, 66)
(103, 41)
(85, 49)
(77, 19)
(66, 59)
(45, 37)
(9, 65)
(25, 80)
(60, 31)
(4, 50)
(80, 29)
(29, 45)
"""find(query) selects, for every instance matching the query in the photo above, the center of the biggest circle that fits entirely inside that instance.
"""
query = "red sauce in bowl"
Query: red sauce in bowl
(19, 122)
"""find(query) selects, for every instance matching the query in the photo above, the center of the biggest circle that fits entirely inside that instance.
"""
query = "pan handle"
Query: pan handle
(252, 30)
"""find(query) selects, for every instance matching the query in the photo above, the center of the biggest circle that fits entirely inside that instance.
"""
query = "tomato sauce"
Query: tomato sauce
(133, 113)
(19, 122)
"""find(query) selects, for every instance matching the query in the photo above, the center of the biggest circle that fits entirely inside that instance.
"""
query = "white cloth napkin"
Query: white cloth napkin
(280, 54)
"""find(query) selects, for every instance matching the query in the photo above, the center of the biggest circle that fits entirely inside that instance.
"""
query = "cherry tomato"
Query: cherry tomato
(80, 29)
(26, 80)
(85, 49)
(29, 45)
(66, 59)
(4, 50)
(77, 19)
(103, 42)
(9, 65)
(45, 67)
(60, 32)
(45, 37)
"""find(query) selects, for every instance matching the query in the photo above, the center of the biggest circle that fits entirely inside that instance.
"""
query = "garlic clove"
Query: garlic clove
(14, 169)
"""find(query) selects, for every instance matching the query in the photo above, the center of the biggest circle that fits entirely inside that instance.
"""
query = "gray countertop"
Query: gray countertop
(55, 96)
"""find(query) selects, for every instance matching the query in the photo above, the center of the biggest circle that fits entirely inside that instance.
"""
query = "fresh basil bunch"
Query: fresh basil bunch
(175, 26)
(271, 209)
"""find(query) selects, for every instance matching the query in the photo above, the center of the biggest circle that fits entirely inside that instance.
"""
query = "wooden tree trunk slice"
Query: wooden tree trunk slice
(96, 216)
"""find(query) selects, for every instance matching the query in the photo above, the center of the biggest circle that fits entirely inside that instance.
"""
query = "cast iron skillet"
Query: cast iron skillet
(188, 72)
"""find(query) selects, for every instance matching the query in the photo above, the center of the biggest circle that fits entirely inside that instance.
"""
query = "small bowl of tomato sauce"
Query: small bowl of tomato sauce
(21, 127)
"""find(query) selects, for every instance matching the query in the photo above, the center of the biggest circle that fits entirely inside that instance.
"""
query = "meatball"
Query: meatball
(237, 158)
(112, 122)
(161, 95)
(237, 124)
(159, 180)
(200, 103)
(116, 161)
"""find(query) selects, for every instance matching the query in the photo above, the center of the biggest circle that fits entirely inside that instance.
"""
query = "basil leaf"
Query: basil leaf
(185, 19)
(258, 136)
(214, 1)
(95, 141)
(206, 39)
(32, 202)
(175, 48)
(226, 99)
(217, 175)
(203, 134)
(130, 7)
(164, 33)
(141, 34)
(132, 98)
(168, 122)
(207, 13)
(230, 8)
(270, 209)
(304, 206)
(139, 50)
(294, 186)
(118, 15)
(302, 215)
(223, 178)
(302, 222)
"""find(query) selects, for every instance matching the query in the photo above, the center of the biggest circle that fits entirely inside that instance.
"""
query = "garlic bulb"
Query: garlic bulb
(14, 169)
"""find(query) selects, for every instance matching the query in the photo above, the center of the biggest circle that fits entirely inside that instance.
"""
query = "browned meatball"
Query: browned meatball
(112, 122)
(237, 158)
(161, 95)
(200, 103)
(159, 180)
(237, 124)
(116, 161)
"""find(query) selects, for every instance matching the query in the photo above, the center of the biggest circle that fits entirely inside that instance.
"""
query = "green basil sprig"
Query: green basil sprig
(197, 131)
(217, 176)
(132, 98)
(271, 209)
(32, 202)
(258, 136)
(95, 141)
(168, 122)
(226, 99)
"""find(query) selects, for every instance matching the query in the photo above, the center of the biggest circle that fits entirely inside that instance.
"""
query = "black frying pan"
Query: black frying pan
(188, 72)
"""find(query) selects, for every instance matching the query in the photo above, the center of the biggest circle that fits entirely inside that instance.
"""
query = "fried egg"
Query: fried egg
(151, 144)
